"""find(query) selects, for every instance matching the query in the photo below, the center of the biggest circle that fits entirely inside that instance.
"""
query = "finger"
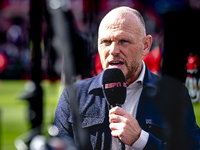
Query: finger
(113, 118)
(113, 126)
(114, 133)
(117, 110)
(117, 126)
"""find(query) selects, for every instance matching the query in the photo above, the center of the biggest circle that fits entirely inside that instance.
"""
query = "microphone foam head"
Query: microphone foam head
(114, 86)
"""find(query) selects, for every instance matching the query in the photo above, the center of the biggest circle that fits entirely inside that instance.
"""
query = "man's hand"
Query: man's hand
(124, 126)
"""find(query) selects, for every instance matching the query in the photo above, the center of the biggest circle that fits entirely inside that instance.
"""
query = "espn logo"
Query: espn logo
(116, 84)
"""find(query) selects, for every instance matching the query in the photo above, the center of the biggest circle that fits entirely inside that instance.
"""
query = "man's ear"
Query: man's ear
(147, 44)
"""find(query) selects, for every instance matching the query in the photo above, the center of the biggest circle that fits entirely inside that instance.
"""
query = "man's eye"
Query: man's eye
(106, 42)
(123, 41)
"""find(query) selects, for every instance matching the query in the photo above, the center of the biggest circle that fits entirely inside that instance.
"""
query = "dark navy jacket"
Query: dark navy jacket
(164, 111)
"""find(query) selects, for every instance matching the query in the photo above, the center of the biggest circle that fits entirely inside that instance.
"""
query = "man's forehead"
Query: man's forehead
(115, 18)
(114, 31)
(119, 25)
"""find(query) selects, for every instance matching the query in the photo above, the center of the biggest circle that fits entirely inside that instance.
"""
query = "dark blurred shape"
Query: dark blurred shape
(64, 41)
(79, 43)
(33, 92)
(79, 46)
(181, 31)
(176, 106)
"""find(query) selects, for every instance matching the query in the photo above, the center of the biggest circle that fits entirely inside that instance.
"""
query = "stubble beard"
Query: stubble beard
(131, 69)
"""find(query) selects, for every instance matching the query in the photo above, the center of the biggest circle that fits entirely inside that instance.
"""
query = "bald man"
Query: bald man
(141, 123)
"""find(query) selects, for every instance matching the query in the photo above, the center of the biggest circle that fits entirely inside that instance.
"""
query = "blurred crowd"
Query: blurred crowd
(15, 44)
(14, 47)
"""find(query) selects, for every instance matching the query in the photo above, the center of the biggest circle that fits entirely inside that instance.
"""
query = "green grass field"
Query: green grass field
(14, 111)
(14, 114)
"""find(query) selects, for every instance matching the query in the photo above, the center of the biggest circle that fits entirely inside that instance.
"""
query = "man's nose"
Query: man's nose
(114, 49)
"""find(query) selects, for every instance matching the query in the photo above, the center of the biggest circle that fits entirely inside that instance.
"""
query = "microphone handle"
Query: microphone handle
(114, 105)
(121, 145)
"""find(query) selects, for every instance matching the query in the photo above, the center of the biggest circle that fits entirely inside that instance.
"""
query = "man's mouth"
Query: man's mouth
(116, 63)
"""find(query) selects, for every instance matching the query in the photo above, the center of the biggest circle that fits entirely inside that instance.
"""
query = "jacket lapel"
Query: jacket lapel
(147, 96)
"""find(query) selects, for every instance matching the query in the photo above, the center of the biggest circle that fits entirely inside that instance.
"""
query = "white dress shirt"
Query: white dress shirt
(130, 105)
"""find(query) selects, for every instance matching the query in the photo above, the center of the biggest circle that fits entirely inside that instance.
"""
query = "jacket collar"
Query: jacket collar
(96, 85)
(150, 79)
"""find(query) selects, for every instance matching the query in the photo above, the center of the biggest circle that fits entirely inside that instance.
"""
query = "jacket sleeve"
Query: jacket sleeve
(154, 143)
(62, 115)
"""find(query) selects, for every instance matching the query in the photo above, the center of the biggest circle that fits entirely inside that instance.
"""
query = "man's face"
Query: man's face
(121, 44)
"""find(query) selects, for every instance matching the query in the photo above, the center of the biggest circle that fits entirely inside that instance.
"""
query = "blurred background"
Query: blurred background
(44, 42)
